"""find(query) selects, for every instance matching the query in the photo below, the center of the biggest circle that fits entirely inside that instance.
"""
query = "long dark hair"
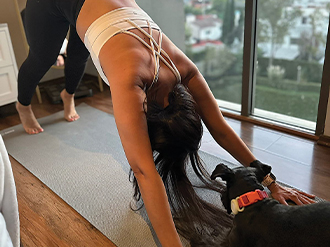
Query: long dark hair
(175, 134)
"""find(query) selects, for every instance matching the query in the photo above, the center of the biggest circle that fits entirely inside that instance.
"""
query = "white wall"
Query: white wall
(169, 15)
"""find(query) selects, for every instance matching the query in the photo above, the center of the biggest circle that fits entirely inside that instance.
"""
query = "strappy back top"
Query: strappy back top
(121, 21)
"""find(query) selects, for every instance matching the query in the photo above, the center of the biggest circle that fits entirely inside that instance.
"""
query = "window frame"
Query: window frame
(248, 74)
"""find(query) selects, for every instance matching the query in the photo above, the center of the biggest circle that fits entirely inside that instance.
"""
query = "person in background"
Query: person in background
(62, 54)
(159, 100)
(51, 48)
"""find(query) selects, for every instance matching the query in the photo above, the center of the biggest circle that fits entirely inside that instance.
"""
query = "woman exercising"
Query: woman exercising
(159, 99)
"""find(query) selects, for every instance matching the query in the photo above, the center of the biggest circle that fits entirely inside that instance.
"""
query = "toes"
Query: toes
(74, 118)
(31, 132)
(34, 131)
(39, 130)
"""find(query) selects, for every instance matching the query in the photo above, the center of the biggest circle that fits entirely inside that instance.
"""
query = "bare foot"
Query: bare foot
(70, 113)
(28, 119)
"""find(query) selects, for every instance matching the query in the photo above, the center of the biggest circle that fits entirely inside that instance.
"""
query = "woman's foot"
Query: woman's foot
(28, 119)
(70, 113)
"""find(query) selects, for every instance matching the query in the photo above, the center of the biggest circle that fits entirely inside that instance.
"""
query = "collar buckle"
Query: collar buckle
(238, 204)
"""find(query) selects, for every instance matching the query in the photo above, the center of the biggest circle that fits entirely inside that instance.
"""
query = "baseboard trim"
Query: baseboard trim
(324, 140)
(271, 126)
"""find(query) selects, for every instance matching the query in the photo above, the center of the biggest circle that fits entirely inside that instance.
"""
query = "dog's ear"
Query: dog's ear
(262, 169)
(224, 172)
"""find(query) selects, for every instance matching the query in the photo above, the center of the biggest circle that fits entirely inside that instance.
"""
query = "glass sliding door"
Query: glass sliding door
(291, 40)
(214, 42)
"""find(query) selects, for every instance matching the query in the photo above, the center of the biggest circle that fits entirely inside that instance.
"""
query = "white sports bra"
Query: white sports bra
(122, 20)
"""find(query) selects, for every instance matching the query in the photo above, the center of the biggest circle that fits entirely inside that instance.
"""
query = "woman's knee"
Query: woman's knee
(40, 61)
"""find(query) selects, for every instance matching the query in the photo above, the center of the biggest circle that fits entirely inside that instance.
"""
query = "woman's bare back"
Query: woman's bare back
(123, 49)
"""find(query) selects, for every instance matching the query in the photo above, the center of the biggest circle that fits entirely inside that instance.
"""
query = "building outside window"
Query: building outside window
(290, 40)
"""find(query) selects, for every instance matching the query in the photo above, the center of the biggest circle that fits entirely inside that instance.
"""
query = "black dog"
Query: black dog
(267, 223)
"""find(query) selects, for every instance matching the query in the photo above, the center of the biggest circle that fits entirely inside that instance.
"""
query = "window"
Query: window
(262, 58)
(214, 42)
(289, 74)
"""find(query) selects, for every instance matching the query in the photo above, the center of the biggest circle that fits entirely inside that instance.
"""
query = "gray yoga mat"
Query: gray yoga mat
(84, 163)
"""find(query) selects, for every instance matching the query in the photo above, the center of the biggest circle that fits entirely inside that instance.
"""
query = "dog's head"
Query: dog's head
(240, 180)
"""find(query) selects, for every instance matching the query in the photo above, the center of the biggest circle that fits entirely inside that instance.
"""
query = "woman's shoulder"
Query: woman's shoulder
(186, 67)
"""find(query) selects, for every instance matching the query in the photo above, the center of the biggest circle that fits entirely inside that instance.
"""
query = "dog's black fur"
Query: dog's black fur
(268, 223)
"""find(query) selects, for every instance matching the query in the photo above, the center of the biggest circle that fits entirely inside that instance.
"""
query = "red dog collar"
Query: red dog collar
(238, 204)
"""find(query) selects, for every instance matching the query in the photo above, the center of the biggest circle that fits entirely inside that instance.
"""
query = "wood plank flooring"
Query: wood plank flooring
(46, 220)
(298, 162)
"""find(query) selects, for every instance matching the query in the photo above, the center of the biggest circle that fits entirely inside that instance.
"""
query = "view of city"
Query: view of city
(291, 39)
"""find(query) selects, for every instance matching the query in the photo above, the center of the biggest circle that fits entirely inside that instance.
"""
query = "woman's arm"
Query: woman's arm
(127, 99)
(210, 112)
(124, 67)
(225, 136)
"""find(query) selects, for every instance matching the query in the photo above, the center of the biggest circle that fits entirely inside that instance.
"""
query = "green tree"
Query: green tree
(237, 32)
(274, 22)
(215, 57)
(311, 40)
(187, 33)
(191, 10)
(228, 25)
(218, 8)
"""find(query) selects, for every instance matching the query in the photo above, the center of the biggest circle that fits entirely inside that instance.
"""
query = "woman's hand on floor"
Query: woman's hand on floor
(283, 194)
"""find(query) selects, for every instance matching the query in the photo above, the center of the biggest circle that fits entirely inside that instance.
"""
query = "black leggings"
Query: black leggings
(46, 25)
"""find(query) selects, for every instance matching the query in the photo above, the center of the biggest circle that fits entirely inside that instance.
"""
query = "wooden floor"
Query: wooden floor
(46, 220)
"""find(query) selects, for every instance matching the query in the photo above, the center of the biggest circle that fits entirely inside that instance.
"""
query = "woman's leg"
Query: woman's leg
(75, 64)
(45, 30)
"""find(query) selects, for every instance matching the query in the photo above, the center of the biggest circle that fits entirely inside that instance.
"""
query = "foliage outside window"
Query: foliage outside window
(291, 36)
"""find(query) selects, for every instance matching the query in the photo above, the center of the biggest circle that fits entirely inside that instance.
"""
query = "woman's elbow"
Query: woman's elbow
(143, 172)
(137, 171)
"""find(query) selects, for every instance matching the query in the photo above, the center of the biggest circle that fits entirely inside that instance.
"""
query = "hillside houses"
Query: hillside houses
(302, 32)
(204, 30)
